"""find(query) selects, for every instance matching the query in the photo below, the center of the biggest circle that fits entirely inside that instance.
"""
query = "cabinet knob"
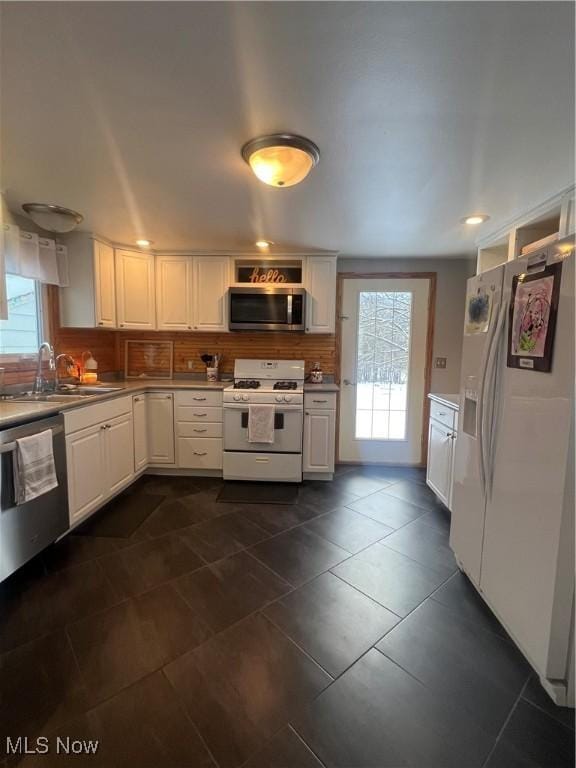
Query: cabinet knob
(200, 453)
(100, 323)
(121, 325)
(198, 398)
(319, 401)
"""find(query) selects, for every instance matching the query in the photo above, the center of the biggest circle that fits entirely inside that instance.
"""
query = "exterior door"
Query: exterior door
(383, 369)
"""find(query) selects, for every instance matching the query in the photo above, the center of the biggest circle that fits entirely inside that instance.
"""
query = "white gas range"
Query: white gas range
(273, 382)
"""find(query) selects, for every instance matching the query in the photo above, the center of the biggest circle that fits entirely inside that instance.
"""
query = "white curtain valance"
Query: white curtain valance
(28, 255)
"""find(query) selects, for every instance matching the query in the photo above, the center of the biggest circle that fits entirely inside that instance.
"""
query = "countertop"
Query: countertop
(452, 401)
(12, 413)
(327, 386)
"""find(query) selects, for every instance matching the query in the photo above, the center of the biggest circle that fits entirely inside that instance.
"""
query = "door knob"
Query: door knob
(349, 383)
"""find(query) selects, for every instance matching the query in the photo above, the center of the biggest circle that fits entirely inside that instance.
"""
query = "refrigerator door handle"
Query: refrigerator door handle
(492, 410)
(481, 404)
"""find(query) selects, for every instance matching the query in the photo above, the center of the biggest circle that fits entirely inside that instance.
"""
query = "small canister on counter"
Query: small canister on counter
(316, 376)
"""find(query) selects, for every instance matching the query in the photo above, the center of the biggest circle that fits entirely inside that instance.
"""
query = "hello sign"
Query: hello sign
(269, 275)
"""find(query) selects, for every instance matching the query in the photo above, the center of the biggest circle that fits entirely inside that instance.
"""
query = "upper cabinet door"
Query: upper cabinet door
(211, 281)
(135, 289)
(321, 294)
(174, 293)
(104, 285)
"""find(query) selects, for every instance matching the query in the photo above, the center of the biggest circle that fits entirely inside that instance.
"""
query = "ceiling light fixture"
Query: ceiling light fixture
(281, 159)
(53, 218)
(264, 243)
(144, 243)
(476, 218)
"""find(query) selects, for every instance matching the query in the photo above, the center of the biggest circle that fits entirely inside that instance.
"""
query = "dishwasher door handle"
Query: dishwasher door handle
(9, 447)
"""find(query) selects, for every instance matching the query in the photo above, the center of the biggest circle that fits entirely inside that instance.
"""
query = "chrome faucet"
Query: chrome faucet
(39, 380)
(63, 356)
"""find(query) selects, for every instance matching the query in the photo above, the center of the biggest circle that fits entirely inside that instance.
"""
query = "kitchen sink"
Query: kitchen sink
(64, 396)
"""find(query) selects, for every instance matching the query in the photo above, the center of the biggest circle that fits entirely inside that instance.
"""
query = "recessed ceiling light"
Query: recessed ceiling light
(144, 243)
(281, 159)
(264, 243)
(476, 218)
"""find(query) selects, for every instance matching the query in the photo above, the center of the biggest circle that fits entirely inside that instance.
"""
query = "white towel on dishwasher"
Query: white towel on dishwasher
(34, 469)
(261, 423)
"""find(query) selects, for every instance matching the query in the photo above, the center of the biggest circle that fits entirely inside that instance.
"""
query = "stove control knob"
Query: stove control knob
(237, 396)
(245, 397)
(287, 398)
(279, 398)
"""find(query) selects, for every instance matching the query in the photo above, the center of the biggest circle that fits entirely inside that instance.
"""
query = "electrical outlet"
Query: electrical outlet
(190, 364)
(440, 362)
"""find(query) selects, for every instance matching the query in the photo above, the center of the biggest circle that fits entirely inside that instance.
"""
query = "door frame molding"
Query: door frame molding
(432, 278)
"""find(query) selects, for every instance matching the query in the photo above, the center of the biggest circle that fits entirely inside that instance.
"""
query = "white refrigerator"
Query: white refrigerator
(512, 525)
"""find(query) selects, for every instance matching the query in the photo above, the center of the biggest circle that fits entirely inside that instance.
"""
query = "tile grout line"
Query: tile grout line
(504, 724)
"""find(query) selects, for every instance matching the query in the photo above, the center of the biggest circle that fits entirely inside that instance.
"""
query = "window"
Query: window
(20, 334)
(383, 356)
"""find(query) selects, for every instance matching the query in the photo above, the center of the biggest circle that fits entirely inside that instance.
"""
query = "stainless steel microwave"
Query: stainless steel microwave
(267, 308)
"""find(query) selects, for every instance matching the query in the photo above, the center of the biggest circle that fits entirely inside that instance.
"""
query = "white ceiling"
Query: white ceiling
(134, 114)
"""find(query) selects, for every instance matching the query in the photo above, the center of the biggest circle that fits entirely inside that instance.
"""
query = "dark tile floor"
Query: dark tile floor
(181, 632)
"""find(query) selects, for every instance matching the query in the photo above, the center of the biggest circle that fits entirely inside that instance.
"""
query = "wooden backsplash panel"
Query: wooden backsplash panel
(262, 345)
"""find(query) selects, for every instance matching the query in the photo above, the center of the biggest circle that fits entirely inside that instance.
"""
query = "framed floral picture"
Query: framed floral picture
(532, 318)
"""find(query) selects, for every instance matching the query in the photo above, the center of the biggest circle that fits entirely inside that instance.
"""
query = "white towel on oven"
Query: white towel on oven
(261, 423)
(34, 469)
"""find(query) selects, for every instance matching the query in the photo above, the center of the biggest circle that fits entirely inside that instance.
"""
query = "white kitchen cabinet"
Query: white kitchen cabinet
(211, 278)
(119, 452)
(440, 457)
(135, 290)
(140, 417)
(160, 414)
(86, 474)
(319, 440)
(320, 287)
(99, 454)
(174, 293)
(442, 434)
(89, 301)
(105, 285)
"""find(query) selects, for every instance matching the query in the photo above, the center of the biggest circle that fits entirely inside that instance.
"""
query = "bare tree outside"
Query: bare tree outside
(384, 321)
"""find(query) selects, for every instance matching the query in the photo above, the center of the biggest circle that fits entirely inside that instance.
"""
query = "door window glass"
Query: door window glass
(383, 356)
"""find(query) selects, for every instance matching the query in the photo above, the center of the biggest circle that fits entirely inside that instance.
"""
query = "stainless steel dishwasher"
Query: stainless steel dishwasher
(27, 529)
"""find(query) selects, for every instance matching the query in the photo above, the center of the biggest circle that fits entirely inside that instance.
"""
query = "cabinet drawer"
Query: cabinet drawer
(193, 429)
(199, 453)
(209, 397)
(274, 467)
(87, 416)
(320, 400)
(443, 414)
(198, 413)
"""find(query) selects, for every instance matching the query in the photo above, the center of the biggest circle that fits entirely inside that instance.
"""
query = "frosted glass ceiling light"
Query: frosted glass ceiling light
(281, 159)
(53, 218)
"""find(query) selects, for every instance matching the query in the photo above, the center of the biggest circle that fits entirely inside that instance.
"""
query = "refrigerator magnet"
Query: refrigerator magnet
(478, 311)
(532, 318)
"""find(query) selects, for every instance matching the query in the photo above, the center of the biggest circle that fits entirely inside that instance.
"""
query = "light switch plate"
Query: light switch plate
(440, 362)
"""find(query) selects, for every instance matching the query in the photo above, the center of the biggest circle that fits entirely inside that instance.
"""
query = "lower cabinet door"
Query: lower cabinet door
(160, 410)
(200, 452)
(439, 469)
(140, 416)
(319, 439)
(86, 473)
(119, 448)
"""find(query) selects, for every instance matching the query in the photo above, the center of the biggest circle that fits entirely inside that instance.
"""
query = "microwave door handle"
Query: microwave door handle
(289, 309)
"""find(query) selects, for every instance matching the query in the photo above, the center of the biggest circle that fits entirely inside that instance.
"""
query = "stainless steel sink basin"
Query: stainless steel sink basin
(64, 396)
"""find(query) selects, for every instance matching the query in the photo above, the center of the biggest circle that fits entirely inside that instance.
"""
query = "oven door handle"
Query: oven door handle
(289, 309)
(279, 408)
(9, 447)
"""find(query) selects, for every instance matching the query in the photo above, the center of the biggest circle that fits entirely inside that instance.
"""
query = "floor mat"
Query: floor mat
(121, 516)
(259, 493)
